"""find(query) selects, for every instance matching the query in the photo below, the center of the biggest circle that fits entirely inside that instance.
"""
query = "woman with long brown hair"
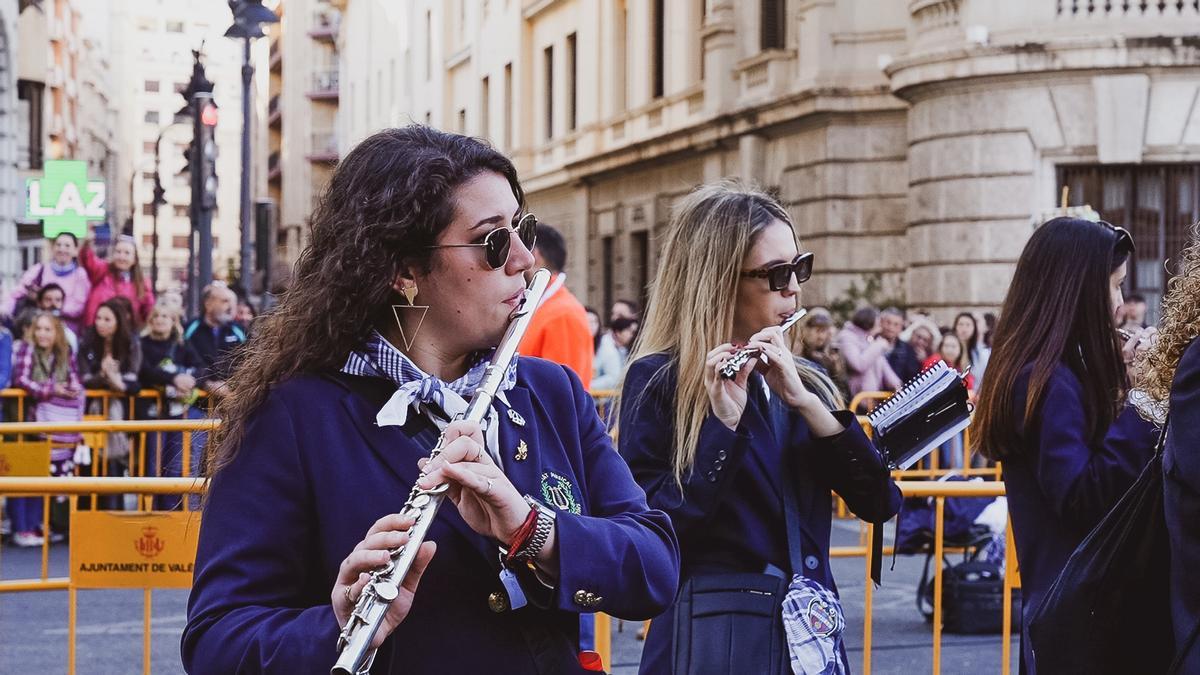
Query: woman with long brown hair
(416, 265)
(1052, 407)
(1171, 379)
(743, 465)
(43, 367)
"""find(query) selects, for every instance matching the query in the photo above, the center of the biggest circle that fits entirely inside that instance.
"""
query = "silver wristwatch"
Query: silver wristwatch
(541, 533)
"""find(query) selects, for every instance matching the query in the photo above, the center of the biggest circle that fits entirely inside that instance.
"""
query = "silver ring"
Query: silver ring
(487, 491)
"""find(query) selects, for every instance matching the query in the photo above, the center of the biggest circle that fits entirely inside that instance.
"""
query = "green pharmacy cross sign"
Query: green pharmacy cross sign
(64, 198)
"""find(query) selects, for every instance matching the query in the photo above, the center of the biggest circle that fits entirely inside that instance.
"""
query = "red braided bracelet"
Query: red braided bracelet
(522, 534)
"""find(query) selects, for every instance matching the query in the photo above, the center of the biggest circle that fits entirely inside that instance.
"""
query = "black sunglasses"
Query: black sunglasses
(1124, 240)
(497, 243)
(779, 276)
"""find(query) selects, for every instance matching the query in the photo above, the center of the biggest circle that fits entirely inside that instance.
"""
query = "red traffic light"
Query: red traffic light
(208, 116)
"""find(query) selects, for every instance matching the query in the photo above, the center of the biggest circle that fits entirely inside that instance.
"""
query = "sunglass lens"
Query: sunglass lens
(497, 245)
(804, 268)
(779, 277)
(527, 230)
(1124, 239)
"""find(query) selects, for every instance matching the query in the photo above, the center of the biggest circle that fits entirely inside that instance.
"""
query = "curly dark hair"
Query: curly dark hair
(389, 199)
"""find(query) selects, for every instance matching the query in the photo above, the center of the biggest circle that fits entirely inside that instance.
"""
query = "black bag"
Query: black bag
(733, 622)
(730, 623)
(1108, 611)
(973, 599)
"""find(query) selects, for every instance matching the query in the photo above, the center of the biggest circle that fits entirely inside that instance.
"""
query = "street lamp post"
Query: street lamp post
(198, 84)
(248, 17)
(157, 201)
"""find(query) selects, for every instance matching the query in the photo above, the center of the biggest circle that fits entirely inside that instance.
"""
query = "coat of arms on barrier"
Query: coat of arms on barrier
(149, 545)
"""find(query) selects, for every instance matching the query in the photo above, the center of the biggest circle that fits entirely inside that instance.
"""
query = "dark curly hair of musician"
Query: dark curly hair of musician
(1179, 326)
(389, 199)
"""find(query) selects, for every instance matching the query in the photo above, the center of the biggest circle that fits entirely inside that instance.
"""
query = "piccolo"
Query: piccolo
(741, 356)
(355, 654)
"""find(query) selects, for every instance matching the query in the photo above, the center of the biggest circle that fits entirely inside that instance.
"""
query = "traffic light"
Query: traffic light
(199, 83)
(207, 143)
(203, 158)
(186, 169)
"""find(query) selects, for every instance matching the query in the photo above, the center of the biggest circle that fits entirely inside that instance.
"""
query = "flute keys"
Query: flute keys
(386, 592)
(420, 501)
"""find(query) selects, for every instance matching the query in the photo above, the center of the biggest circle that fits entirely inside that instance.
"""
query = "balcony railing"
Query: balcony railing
(325, 25)
(276, 54)
(324, 147)
(274, 110)
(273, 168)
(324, 84)
(1117, 8)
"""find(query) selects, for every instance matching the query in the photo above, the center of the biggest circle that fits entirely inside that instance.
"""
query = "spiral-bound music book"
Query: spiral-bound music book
(926, 412)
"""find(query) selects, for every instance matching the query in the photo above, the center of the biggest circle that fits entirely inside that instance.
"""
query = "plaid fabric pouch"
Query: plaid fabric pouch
(813, 623)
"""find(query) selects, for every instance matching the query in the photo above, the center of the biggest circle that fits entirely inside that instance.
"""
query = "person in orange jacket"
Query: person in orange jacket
(559, 329)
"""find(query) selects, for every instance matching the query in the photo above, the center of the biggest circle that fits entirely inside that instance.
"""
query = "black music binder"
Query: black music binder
(926, 412)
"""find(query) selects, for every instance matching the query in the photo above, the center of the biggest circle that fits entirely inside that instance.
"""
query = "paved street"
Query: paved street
(33, 626)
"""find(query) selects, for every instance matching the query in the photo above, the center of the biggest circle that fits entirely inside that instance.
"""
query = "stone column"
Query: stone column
(720, 52)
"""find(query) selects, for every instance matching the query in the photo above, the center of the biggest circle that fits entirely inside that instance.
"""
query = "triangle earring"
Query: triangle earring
(410, 294)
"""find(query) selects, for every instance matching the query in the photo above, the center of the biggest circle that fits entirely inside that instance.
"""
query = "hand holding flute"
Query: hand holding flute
(768, 352)
(1134, 343)
(388, 533)
(750, 352)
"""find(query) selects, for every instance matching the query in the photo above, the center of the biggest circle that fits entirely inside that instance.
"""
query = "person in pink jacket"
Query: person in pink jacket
(120, 275)
(61, 269)
(866, 354)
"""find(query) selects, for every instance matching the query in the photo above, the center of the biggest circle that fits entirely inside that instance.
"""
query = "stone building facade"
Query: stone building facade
(914, 142)
(302, 112)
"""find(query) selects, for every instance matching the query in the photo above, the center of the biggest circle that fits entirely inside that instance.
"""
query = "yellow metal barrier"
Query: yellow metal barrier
(102, 395)
(45, 486)
(21, 486)
(940, 490)
(871, 397)
(103, 426)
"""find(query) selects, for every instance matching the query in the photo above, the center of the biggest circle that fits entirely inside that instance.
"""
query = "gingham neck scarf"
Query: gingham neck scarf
(379, 358)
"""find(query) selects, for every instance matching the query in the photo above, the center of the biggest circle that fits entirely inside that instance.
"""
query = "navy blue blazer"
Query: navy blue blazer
(314, 473)
(1181, 488)
(1059, 486)
(729, 514)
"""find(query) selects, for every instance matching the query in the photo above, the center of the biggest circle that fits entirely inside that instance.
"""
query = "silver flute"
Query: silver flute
(741, 356)
(355, 654)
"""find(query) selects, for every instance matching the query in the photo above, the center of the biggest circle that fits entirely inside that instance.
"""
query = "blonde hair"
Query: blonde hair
(170, 311)
(1179, 326)
(691, 300)
(61, 349)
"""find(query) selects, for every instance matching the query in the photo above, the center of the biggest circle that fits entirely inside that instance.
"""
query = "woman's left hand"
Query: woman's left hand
(780, 369)
(486, 499)
(1138, 342)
